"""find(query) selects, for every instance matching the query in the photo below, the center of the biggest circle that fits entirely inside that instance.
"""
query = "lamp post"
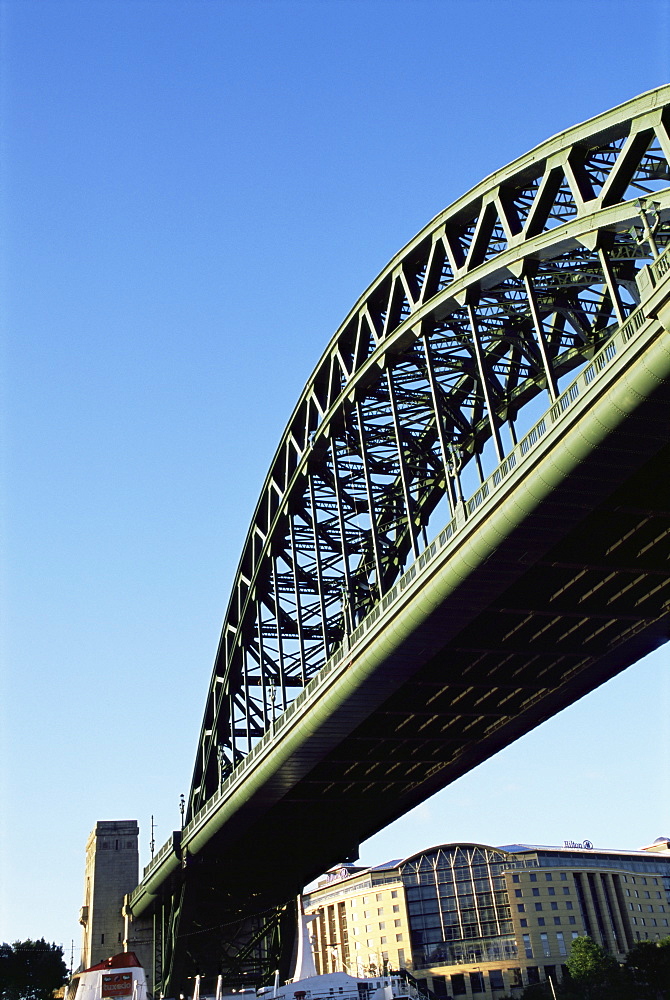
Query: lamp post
(182, 807)
(650, 217)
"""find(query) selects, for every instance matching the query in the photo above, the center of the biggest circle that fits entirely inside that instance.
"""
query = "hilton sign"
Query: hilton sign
(585, 845)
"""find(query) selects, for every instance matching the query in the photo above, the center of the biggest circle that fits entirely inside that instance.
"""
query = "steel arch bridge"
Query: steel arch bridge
(424, 388)
(431, 388)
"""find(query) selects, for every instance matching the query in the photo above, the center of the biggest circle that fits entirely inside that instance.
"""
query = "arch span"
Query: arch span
(437, 371)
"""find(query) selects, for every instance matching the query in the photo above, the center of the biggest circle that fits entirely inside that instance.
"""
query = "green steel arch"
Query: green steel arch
(437, 371)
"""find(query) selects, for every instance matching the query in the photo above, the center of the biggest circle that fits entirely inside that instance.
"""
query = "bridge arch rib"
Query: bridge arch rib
(439, 368)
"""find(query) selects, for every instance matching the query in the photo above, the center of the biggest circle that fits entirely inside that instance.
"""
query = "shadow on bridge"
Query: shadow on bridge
(415, 660)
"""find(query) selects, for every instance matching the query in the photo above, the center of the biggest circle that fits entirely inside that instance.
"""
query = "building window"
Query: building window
(523, 922)
(554, 906)
(397, 923)
(401, 958)
(521, 907)
(458, 985)
(540, 921)
(628, 892)
(383, 940)
(370, 943)
(394, 894)
(367, 914)
(538, 906)
(378, 896)
(548, 876)
(398, 937)
(546, 950)
(536, 892)
(533, 974)
(396, 908)
(518, 893)
(561, 943)
(552, 891)
(564, 877)
(527, 945)
(557, 920)
(440, 986)
(575, 935)
(368, 928)
(568, 905)
(533, 877)
(572, 920)
(515, 878)
(566, 891)
(633, 920)
(515, 975)
(382, 925)
(380, 911)
(496, 980)
(477, 982)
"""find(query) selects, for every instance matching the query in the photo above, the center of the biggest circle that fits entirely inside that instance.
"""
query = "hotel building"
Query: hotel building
(477, 921)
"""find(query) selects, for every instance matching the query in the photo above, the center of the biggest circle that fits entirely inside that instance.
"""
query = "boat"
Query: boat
(120, 977)
(307, 984)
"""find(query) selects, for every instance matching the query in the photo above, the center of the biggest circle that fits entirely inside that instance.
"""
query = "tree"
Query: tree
(31, 970)
(648, 965)
(593, 973)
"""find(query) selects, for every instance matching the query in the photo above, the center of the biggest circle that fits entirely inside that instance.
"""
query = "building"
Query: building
(477, 921)
(112, 870)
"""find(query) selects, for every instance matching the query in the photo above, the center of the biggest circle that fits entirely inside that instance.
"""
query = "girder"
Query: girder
(373, 648)
(429, 382)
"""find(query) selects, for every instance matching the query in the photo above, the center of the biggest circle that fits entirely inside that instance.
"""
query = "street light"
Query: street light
(650, 217)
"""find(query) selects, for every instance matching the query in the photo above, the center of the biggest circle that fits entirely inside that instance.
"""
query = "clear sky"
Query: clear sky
(193, 194)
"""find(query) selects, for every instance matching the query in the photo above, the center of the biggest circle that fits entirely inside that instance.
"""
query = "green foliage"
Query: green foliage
(648, 966)
(588, 962)
(31, 970)
(595, 975)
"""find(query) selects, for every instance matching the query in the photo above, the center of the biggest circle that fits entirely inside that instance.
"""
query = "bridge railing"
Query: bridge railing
(519, 455)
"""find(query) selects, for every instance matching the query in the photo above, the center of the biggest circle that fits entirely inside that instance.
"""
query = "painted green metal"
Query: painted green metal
(502, 294)
(430, 390)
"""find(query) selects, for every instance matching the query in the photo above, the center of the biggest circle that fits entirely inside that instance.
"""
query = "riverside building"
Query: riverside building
(476, 921)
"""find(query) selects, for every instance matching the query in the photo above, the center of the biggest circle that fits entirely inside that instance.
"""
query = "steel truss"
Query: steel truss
(429, 381)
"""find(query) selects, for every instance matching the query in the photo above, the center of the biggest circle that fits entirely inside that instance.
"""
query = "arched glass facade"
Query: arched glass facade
(458, 906)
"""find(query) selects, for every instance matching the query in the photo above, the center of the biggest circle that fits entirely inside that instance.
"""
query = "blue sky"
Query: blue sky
(193, 194)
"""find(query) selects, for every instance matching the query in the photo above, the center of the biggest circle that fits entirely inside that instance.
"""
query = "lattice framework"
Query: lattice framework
(436, 372)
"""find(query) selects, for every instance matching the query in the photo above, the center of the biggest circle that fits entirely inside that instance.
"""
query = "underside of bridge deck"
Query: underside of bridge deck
(528, 634)
(431, 571)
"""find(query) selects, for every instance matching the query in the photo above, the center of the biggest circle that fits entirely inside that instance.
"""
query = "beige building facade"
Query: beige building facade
(476, 921)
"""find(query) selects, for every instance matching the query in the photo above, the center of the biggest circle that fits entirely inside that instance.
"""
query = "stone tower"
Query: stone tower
(112, 870)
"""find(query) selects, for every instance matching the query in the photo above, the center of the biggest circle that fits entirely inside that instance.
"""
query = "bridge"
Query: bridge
(464, 529)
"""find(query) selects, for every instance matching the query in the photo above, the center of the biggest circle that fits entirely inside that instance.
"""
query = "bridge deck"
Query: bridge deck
(551, 579)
